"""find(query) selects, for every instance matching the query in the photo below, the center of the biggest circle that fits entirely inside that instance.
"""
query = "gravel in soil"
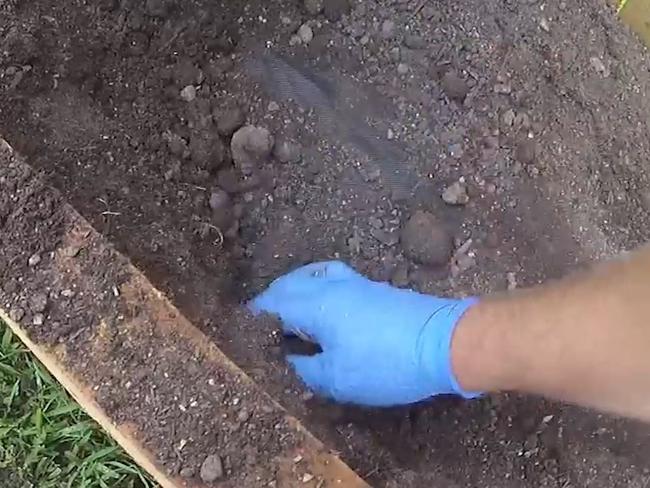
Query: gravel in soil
(537, 110)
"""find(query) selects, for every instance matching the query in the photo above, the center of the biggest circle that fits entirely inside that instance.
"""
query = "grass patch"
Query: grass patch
(46, 439)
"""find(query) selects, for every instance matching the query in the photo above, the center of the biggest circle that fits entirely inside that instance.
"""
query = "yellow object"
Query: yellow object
(636, 14)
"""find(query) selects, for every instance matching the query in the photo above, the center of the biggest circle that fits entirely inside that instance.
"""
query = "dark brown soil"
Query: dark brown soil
(539, 107)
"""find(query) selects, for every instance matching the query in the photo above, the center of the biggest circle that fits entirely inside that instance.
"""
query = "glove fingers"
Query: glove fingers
(298, 314)
(315, 372)
(297, 298)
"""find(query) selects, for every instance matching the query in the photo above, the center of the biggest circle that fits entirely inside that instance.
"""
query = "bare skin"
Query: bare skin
(584, 340)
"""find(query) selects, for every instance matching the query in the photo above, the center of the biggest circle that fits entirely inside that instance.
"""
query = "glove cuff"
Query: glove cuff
(445, 320)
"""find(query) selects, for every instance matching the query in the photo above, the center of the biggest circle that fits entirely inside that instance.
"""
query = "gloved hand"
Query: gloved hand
(382, 346)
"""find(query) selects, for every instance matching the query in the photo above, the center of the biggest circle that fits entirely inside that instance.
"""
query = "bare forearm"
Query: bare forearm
(585, 339)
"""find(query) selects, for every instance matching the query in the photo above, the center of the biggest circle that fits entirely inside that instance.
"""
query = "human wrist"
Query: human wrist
(478, 353)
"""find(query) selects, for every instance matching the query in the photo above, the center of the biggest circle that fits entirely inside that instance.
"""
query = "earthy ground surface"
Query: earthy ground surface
(534, 112)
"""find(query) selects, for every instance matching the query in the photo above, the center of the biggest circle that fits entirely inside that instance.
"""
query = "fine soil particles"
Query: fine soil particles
(521, 127)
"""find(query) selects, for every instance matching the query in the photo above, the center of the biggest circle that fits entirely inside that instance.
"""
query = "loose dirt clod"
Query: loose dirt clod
(206, 149)
(526, 151)
(211, 469)
(455, 194)
(250, 146)
(426, 241)
(454, 86)
(305, 33)
(188, 93)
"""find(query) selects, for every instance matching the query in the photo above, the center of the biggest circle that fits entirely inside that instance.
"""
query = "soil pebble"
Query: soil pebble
(16, 314)
(229, 121)
(305, 34)
(335, 9)
(455, 194)
(454, 87)
(426, 240)
(287, 151)
(188, 93)
(34, 259)
(526, 151)
(314, 7)
(207, 150)
(38, 302)
(211, 469)
(251, 145)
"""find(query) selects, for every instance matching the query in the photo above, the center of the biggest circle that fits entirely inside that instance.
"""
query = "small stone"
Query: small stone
(388, 29)
(455, 194)
(229, 121)
(402, 69)
(599, 66)
(307, 477)
(413, 41)
(188, 93)
(211, 469)
(335, 9)
(454, 87)
(251, 145)
(503, 88)
(16, 314)
(543, 23)
(67, 293)
(38, 302)
(313, 7)
(34, 259)
(525, 151)
(187, 472)
(425, 240)
(305, 33)
(287, 151)
(273, 106)
(39, 319)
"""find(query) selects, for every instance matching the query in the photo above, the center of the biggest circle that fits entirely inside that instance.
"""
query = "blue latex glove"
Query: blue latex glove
(382, 346)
